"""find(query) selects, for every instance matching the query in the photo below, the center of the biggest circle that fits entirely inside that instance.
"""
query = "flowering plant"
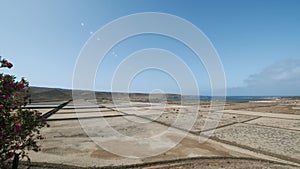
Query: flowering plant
(19, 127)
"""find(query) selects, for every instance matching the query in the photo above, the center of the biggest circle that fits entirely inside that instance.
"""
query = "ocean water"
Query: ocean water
(227, 98)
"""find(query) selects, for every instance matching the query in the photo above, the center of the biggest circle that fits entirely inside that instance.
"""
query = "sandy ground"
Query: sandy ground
(196, 163)
(141, 133)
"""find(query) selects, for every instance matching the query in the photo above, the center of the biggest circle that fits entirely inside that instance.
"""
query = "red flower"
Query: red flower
(18, 127)
(7, 76)
(9, 65)
(9, 155)
(5, 96)
(11, 84)
(44, 119)
(21, 86)
(1, 106)
(4, 61)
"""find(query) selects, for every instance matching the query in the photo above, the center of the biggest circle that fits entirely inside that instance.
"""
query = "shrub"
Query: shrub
(19, 127)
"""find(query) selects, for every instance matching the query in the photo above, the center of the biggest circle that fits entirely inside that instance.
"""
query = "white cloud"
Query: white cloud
(282, 78)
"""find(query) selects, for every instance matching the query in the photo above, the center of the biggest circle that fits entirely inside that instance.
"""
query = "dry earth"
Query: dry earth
(269, 131)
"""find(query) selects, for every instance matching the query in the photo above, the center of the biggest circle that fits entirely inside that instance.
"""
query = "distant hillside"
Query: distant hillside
(40, 94)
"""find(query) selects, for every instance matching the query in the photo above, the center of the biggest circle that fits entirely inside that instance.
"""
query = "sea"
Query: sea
(227, 98)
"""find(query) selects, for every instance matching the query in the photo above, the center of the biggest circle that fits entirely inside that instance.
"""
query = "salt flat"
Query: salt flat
(108, 134)
(280, 123)
(275, 115)
(278, 142)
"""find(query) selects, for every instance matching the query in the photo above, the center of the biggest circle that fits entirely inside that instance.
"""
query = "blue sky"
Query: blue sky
(257, 40)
